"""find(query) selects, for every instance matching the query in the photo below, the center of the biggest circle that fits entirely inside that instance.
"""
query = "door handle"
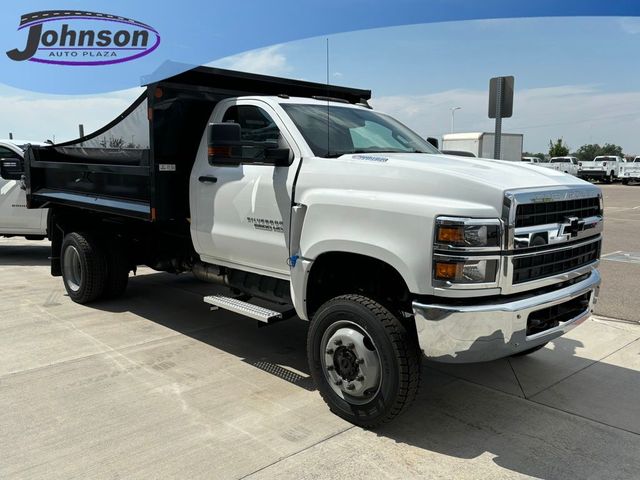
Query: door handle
(207, 179)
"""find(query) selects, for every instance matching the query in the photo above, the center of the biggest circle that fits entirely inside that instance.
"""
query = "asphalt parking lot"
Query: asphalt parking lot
(154, 385)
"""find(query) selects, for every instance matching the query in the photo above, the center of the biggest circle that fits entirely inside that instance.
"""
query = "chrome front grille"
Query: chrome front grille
(527, 268)
(544, 213)
(552, 235)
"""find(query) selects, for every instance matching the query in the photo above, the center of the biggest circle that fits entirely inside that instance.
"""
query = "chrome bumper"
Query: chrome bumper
(479, 333)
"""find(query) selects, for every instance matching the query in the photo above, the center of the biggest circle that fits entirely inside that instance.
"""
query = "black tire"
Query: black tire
(610, 178)
(395, 347)
(530, 351)
(85, 278)
(117, 272)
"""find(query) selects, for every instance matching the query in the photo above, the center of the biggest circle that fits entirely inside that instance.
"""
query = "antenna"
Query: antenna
(328, 114)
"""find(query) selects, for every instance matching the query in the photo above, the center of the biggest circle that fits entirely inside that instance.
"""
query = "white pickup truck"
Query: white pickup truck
(630, 171)
(603, 167)
(325, 210)
(15, 219)
(562, 164)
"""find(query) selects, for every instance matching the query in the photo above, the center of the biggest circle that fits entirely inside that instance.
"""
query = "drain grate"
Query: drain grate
(627, 257)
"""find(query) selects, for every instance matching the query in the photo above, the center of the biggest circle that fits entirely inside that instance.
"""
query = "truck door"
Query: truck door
(14, 216)
(242, 213)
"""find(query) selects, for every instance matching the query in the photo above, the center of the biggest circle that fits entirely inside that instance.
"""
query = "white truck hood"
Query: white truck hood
(448, 184)
(500, 174)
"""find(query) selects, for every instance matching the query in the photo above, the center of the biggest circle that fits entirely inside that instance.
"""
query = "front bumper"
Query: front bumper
(484, 332)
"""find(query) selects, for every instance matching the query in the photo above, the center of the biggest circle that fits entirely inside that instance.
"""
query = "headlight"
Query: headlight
(465, 271)
(467, 233)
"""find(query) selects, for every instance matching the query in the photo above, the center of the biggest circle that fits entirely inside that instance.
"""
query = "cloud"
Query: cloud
(578, 113)
(265, 61)
(37, 117)
(630, 25)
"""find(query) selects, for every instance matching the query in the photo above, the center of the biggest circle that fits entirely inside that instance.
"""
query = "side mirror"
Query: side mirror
(226, 148)
(11, 168)
(434, 142)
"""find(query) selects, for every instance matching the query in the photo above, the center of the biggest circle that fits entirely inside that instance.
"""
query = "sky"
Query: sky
(575, 78)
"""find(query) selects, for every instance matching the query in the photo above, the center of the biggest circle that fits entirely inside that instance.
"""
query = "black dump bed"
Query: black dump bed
(139, 164)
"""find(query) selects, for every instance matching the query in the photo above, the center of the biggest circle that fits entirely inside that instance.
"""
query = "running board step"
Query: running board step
(244, 308)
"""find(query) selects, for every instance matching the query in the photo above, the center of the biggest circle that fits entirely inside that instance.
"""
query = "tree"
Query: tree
(611, 149)
(558, 149)
(588, 152)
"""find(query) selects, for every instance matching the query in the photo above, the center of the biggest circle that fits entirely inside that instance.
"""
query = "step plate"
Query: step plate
(243, 308)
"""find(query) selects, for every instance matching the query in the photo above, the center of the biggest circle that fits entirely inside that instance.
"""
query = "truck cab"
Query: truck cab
(563, 164)
(15, 218)
(306, 203)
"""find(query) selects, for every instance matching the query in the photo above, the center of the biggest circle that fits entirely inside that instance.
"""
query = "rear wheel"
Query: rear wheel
(364, 361)
(610, 178)
(84, 269)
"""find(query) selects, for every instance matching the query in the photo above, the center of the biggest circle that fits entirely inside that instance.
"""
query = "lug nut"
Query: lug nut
(360, 361)
(338, 382)
(338, 342)
(350, 386)
(360, 378)
(330, 368)
(351, 345)
(329, 351)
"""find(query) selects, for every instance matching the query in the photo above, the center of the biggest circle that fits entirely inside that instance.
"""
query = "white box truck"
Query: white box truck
(481, 144)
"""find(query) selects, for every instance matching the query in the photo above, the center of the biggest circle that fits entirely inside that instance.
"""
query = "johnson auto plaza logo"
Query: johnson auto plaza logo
(70, 37)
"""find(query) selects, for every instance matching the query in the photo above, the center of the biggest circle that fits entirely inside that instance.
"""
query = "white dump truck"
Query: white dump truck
(481, 144)
(308, 204)
(15, 219)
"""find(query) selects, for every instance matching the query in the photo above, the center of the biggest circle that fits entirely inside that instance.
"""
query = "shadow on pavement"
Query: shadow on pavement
(451, 417)
(36, 254)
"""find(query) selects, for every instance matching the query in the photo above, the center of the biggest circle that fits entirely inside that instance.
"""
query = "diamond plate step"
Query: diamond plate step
(243, 308)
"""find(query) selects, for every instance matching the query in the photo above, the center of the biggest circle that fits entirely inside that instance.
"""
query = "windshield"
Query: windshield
(353, 130)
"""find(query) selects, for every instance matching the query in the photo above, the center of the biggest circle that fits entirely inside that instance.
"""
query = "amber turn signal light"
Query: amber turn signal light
(451, 234)
(219, 151)
(446, 271)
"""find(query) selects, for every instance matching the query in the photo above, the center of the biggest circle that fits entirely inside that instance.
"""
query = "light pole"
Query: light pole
(453, 111)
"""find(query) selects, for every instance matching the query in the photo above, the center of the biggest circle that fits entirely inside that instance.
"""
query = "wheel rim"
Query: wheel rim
(350, 362)
(72, 268)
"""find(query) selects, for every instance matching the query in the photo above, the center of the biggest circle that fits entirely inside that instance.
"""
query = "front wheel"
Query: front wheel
(610, 178)
(364, 361)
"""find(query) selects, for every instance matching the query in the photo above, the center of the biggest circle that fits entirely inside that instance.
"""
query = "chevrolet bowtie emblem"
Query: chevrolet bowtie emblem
(571, 226)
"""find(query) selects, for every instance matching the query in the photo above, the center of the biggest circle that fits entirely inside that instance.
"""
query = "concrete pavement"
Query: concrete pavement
(154, 385)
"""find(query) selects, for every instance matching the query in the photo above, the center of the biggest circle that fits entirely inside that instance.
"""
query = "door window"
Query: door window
(256, 125)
